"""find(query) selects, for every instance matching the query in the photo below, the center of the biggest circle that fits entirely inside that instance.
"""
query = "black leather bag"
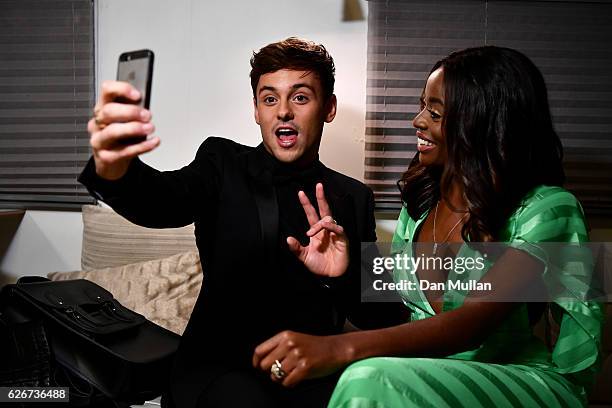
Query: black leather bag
(116, 350)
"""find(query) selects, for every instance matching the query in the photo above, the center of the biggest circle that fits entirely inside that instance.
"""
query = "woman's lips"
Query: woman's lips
(424, 144)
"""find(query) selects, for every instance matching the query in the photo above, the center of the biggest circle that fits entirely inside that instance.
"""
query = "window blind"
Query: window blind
(568, 40)
(46, 95)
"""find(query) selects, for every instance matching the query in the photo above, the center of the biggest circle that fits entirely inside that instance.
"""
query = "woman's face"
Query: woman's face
(431, 142)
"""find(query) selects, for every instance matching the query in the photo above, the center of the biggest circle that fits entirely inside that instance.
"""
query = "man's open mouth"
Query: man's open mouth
(286, 132)
(287, 136)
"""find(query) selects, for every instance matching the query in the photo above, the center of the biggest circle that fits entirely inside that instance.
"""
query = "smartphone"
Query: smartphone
(136, 67)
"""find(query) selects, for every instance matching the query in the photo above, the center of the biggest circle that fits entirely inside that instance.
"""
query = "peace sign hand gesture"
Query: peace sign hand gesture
(327, 252)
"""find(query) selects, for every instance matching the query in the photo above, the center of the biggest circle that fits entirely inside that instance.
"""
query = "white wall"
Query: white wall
(46, 241)
(201, 87)
(201, 81)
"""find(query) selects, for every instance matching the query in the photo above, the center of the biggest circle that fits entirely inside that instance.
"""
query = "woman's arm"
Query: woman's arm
(465, 328)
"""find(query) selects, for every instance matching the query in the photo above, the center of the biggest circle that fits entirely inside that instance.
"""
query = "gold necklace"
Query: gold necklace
(435, 247)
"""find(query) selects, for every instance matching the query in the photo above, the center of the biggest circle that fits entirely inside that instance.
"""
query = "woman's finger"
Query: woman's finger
(289, 362)
(296, 375)
(264, 349)
(277, 354)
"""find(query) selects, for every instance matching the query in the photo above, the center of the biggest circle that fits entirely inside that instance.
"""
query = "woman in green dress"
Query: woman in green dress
(488, 169)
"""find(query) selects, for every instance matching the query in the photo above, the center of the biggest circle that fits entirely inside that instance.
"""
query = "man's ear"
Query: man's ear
(330, 108)
(256, 113)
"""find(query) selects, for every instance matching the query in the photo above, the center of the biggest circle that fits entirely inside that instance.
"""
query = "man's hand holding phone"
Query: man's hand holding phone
(114, 125)
(122, 121)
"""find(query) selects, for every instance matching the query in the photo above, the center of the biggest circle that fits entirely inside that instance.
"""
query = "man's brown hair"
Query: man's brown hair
(295, 54)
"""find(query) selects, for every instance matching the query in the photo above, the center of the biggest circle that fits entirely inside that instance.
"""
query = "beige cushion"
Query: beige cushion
(111, 240)
(162, 290)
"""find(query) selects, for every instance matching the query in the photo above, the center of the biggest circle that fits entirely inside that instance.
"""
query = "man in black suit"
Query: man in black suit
(279, 253)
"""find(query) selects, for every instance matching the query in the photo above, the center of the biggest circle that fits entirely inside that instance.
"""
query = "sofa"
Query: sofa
(158, 274)
(155, 272)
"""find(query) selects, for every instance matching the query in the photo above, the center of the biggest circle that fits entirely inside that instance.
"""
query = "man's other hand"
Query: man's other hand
(327, 252)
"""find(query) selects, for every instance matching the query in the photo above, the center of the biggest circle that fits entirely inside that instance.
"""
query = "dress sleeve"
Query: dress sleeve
(550, 226)
(550, 216)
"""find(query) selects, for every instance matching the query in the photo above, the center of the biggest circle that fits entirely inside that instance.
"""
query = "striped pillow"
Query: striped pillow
(111, 240)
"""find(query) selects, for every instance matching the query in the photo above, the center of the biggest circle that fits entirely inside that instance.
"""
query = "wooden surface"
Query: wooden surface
(11, 213)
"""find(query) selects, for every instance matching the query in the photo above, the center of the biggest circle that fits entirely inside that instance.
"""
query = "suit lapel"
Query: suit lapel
(259, 169)
(340, 202)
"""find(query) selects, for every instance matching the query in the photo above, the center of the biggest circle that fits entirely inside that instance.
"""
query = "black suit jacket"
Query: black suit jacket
(228, 192)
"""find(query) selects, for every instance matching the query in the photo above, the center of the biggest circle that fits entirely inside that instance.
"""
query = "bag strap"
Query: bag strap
(82, 304)
(32, 279)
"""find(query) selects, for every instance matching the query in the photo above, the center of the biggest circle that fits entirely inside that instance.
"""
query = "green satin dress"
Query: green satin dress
(512, 368)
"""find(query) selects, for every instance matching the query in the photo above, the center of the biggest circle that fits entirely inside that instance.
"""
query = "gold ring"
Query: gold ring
(99, 123)
(97, 119)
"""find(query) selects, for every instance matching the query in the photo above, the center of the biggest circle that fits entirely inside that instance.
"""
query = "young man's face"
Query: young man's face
(290, 109)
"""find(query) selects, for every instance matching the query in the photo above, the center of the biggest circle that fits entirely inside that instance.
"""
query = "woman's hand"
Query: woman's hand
(327, 252)
(301, 356)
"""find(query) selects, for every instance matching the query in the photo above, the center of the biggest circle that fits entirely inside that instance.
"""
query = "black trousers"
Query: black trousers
(249, 388)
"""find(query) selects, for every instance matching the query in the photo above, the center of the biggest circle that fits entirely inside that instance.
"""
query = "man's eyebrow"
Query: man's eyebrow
(267, 88)
(293, 87)
(304, 85)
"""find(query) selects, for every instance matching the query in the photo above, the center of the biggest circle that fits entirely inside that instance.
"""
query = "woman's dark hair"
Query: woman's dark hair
(296, 54)
(499, 135)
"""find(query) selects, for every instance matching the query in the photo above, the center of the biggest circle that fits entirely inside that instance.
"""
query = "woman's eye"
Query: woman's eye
(434, 115)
